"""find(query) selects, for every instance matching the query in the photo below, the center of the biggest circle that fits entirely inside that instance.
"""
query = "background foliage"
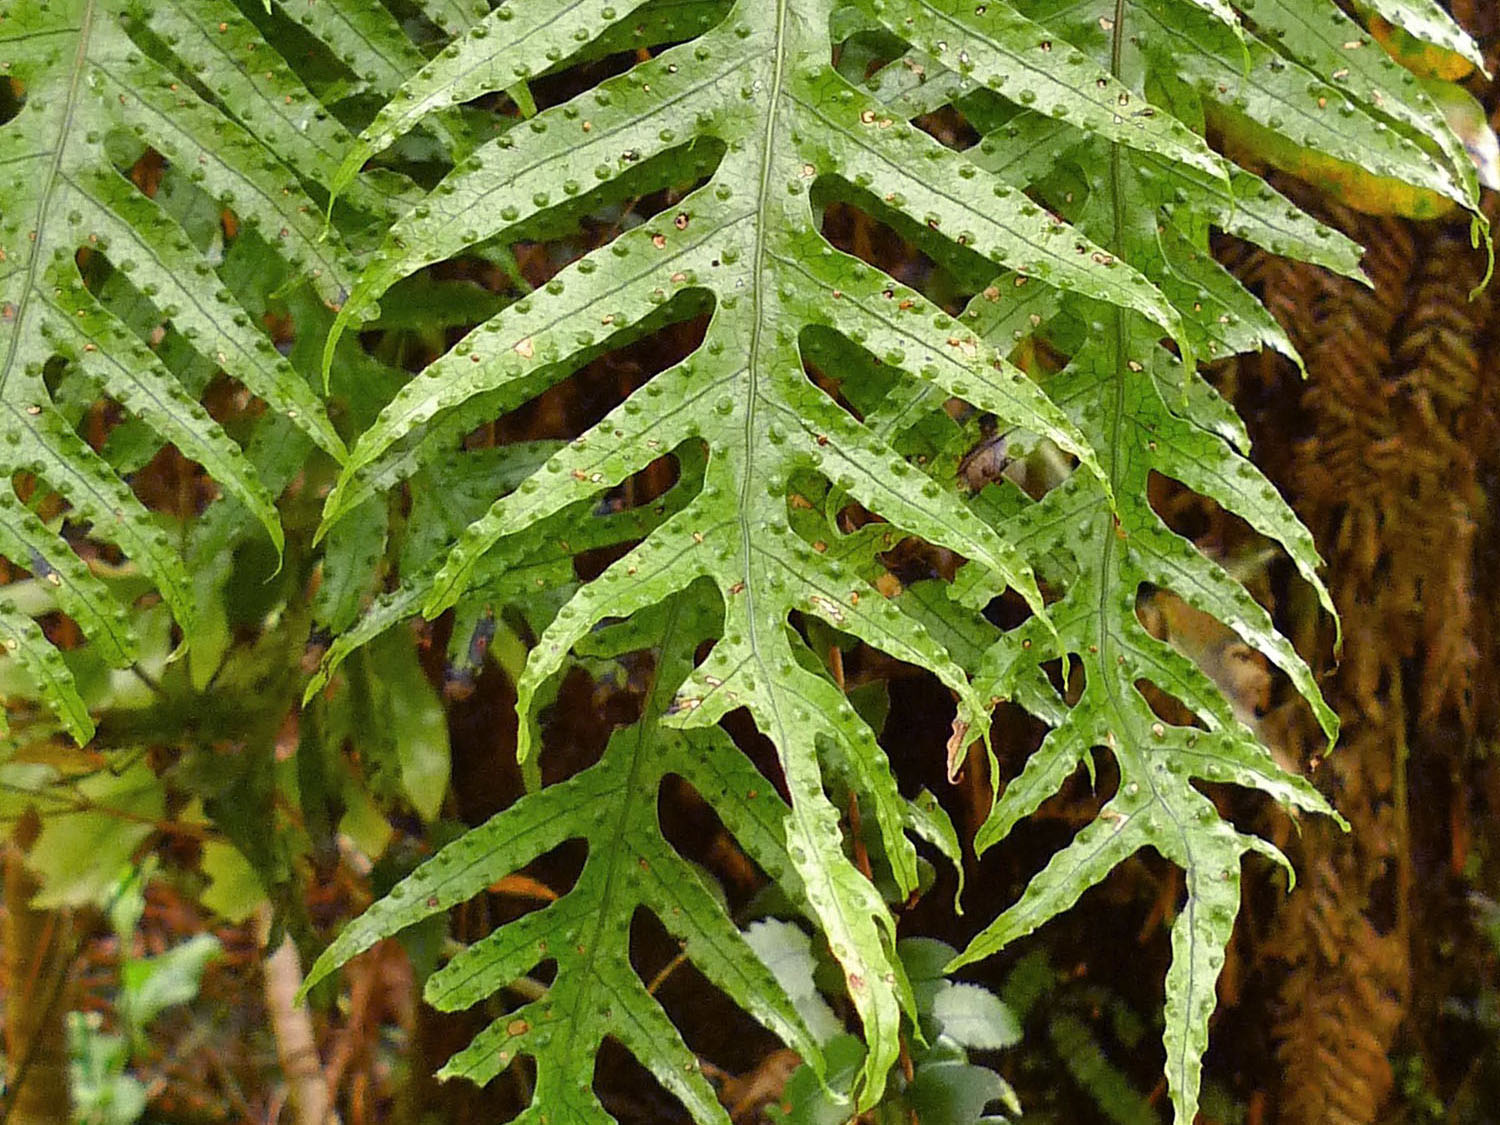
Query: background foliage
(754, 398)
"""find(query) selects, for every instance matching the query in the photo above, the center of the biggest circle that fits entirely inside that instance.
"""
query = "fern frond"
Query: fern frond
(1127, 396)
(1328, 42)
(612, 805)
(258, 88)
(1426, 22)
(531, 573)
(497, 52)
(1111, 556)
(24, 641)
(365, 37)
(98, 83)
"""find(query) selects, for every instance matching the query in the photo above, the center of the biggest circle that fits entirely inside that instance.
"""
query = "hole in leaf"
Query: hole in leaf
(598, 378)
(1033, 840)
(831, 361)
(12, 98)
(530, 255)
(547, 878)
(584, 386)
(1241, 673)
(857, 222)
(871, 238)
(632, 196)
(574, 736)
(692, 826)
(747, 737)
(643, 33)
(715, 1029)
(949, 127)
(630, 1092)
(860, 54)
(556, 402)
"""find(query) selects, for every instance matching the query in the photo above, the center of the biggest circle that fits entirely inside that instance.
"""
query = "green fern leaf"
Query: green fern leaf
(497, 52)
(596, 991)
(1328, 42)
(531, 572)
(1020, 147)
(365, 37)
(264, 95)
(1082, 1055)
(756, 86)
(1328, 112)
(98, 84)
(454, 16)
(1128, 397)
(1156, 804)
(653, 24)
(23, 639)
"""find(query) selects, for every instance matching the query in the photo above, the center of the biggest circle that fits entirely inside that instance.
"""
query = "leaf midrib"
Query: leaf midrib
(752, 376)
(619, 852)
(1107, 588)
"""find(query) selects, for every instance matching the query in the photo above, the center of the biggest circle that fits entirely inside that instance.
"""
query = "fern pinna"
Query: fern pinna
(1079, 220)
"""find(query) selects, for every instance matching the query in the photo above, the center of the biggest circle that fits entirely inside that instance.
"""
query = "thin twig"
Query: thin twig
(666, 970)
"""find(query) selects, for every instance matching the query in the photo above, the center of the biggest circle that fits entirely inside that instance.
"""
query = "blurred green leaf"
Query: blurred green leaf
(233, 889)
(974, 1017)
(153, 984)
(79, 855)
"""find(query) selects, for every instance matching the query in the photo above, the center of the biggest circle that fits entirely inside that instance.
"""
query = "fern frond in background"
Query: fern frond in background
(97, 85)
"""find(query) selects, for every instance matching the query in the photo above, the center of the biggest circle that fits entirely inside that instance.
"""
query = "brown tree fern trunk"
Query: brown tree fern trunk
(1384, 453)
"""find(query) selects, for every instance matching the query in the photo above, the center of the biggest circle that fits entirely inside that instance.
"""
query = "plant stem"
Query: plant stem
(291, 1026)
